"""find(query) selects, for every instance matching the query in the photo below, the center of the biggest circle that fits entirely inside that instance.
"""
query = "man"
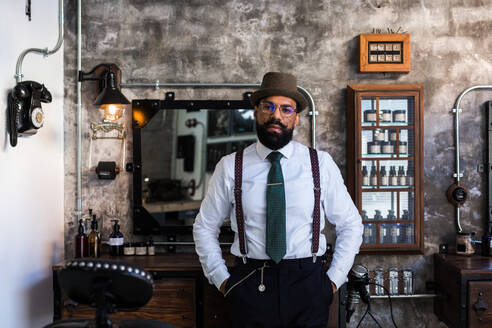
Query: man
(270, 192)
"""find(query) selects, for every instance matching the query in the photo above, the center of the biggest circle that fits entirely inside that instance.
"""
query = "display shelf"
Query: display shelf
(385, 164)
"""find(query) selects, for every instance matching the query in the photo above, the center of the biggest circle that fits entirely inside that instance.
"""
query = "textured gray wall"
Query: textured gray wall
(238, 41)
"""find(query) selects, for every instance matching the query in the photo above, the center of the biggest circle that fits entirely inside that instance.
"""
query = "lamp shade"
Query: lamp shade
(110, 95)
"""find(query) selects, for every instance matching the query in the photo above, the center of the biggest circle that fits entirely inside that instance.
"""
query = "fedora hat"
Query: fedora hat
(279, 84)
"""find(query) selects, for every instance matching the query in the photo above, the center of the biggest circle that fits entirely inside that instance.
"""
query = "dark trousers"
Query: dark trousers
(298, 293)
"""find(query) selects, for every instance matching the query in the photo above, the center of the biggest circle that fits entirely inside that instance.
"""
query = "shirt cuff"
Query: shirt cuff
(336, 278)
(219, 277)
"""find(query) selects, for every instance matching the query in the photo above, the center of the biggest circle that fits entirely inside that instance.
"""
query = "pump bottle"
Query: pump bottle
(81, 242)
(94, 239)
(116, 240)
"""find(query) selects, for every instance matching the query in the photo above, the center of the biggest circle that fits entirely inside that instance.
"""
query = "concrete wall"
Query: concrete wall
(31, 174)
(240, 40)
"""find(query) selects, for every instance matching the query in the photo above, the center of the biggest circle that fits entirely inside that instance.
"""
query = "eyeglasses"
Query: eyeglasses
(269, 108)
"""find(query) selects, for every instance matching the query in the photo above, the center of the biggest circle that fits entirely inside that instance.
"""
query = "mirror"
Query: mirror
(176, 145)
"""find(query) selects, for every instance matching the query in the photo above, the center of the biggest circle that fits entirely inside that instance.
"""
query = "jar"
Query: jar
(379, 281)
(370, 116)
(403, 147)
(409, 234)
(373, 147)
(407, 276)
(150, 247)
(378, 135)
(399, 116)
(141, 249)
(464, 244)
(393, 281)
(128, 249)
(385, 115)
(392, 135)
(388, 147)
(395, 233)
(367, 233)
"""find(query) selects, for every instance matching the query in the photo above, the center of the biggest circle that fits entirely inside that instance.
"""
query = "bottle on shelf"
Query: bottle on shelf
(409, 177)
(384, 177)
(378, 215)
(365, 176)
(395, 233)
(393, 180)
(391, 215)
(402, 179)
(94, 239)
(150, 247)
(405, 216)
(81, 242)
(373, 180)
(116, 240)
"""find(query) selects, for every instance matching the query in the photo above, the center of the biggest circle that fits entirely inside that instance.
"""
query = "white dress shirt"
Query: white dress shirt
(336, 206)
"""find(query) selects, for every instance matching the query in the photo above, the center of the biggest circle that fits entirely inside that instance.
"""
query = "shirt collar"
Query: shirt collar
(264, 151)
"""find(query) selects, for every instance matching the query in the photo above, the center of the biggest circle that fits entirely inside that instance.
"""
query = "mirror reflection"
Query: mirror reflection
(179, 151)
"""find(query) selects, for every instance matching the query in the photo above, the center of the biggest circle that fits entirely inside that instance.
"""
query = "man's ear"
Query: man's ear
(298, 116)
(255, 113)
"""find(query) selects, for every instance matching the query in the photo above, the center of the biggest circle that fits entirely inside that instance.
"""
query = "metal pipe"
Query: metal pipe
(78, 211)
(456, 110)
(157, 85)
(182, 243)
(373, 297)
(18, 68)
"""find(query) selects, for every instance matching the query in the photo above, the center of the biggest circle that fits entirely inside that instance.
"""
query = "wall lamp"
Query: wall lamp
(110, 98)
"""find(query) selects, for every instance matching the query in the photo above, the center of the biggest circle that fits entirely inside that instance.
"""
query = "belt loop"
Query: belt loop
(244, 259)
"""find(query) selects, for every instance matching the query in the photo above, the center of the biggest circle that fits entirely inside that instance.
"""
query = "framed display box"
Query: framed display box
(385, 164)
(384, 53)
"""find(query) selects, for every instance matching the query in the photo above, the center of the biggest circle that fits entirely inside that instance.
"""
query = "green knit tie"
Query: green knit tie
(275, 195)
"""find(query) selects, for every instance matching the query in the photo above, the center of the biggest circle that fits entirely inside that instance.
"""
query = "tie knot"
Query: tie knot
(274, 156)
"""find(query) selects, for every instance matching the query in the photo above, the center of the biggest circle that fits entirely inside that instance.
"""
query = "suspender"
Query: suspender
(238, 180)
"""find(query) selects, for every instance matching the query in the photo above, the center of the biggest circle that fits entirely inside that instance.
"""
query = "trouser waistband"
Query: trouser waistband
(285, 263)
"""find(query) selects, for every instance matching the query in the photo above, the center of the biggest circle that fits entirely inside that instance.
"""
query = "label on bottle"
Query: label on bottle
(402, 180)
(384, 180)
(375, 149)
(394, 181)
(403, 149)
(118, 241)
(371, 117)
(374, 180)
(410, 180)
(386, 116)
(365, 180)
(151, 250)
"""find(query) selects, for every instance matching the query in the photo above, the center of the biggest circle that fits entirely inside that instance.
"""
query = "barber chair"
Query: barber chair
(109, 286)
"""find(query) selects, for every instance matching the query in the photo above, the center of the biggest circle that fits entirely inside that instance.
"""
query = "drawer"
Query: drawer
(173, 302)
(479, 304)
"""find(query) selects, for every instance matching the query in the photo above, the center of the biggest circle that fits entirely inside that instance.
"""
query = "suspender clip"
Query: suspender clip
(244, 259)
(314, 257)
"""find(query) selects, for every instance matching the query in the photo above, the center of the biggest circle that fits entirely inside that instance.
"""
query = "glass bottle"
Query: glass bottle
(94, 239)
(384, 176)
(116, 240)
(402, 179)
(365, 176)
(374, 176)
(393, 281)
(81, 242)
(393, 180)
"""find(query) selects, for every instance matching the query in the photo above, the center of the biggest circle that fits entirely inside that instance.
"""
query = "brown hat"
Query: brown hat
(279, 84)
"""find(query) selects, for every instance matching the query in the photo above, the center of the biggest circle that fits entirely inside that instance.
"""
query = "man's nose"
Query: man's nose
(276, 113)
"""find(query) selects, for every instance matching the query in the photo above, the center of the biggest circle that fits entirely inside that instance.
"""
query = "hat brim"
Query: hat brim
(265, 93)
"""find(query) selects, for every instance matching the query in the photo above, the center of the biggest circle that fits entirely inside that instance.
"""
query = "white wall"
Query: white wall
(31, 174)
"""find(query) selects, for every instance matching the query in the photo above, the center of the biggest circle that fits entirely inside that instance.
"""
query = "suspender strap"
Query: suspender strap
(317, 195)
(238, 180)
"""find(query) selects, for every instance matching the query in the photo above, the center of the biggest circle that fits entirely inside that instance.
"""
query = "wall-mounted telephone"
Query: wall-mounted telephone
(25, 113)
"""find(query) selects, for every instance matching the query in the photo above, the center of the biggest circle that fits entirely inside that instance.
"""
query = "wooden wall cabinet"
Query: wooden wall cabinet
(385, 164)
(464, 290)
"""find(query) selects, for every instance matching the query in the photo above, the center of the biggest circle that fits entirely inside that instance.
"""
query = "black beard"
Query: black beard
(273, 140)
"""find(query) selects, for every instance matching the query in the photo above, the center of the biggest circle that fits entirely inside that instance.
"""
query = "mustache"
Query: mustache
(274, 121)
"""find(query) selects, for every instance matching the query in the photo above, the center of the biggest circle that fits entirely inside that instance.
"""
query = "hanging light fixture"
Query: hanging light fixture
(110, 99)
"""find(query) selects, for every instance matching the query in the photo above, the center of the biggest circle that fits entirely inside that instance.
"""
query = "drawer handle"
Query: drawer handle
(480, 306)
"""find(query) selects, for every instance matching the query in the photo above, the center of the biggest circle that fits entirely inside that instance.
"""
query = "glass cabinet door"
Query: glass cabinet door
(387, 158)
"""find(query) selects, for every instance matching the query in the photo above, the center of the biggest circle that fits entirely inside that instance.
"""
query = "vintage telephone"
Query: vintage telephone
(24, 109)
